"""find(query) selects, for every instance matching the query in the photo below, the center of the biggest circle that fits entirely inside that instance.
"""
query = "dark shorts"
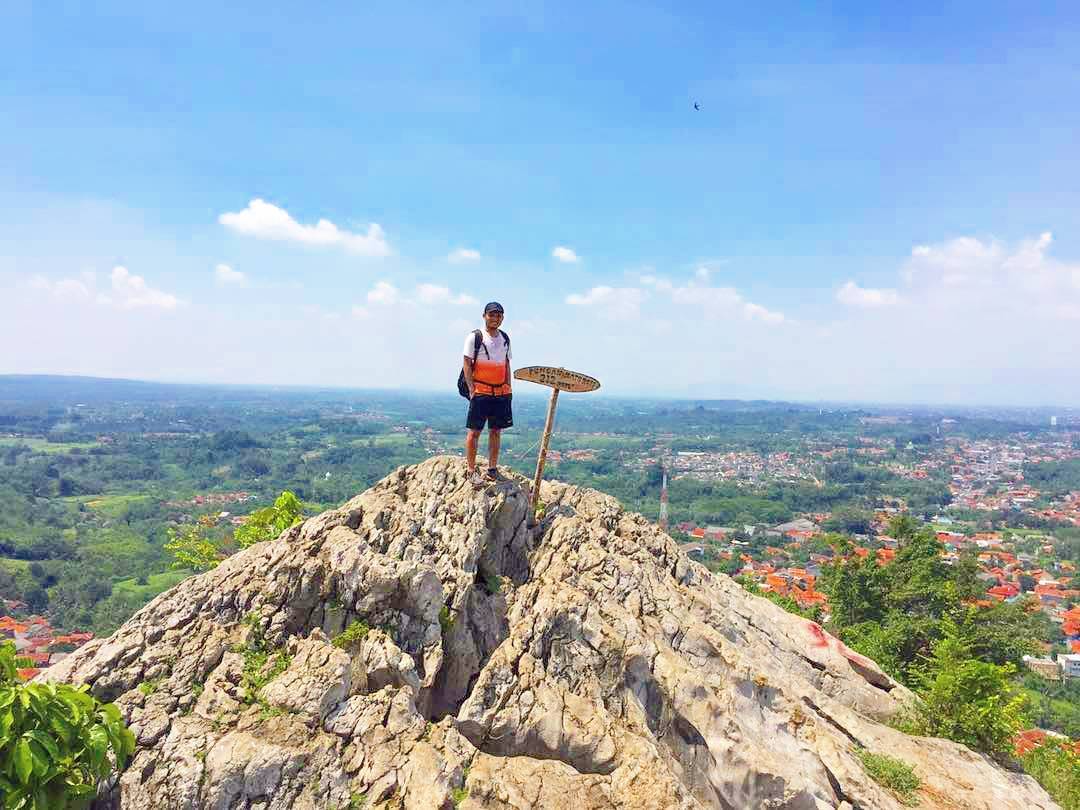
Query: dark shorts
(495, 412)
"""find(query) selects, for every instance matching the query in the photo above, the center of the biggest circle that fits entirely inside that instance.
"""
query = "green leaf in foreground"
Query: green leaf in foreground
(56, 742)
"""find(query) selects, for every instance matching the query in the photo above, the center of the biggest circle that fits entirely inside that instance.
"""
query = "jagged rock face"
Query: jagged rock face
(582, 663)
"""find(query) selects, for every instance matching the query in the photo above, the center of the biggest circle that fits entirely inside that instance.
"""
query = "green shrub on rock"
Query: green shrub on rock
(893, 773)
(56, 742)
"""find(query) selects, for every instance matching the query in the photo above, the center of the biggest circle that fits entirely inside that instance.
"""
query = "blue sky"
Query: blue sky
(874, 202)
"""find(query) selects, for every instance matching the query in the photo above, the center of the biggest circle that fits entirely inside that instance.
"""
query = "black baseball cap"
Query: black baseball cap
(492, 306)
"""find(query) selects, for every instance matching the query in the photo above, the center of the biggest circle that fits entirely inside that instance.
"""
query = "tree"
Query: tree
(268, 523)
(56, 742)
(963, 699)
(903, 527)
(851, 521)
(1002, 633)
(191, 547)
(857, 589)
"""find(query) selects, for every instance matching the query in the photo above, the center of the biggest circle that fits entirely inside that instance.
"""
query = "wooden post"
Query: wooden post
(548, 424)
(560, 379)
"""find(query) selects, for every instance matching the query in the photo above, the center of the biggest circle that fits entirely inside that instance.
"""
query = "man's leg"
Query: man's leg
(494, 439)
(472, 438)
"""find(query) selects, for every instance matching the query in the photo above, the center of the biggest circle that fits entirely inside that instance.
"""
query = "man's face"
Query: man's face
(493, 319)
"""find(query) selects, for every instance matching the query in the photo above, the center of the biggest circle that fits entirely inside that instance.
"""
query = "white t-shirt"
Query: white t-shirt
(490, 367)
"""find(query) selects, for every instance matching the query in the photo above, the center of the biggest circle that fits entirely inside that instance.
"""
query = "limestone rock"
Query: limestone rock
(582, 663)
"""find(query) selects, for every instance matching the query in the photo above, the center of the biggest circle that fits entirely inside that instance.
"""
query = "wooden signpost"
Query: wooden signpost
(558, 379)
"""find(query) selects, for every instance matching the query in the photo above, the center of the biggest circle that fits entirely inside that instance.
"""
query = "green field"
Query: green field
(114, 506)
(45, 446)
(385, 440)
(155, 584)
(14, 566)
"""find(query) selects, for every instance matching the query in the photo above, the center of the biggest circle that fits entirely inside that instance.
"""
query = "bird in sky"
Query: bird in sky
(697, 106)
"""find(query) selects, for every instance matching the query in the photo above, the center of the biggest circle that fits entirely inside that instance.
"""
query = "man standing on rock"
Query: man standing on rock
(487, 373)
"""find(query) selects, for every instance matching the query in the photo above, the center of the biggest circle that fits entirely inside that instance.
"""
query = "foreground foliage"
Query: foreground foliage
(970, 701)
(56, 742)
(194, 548)
(1056, 766)
(268, 523)
(191, 547)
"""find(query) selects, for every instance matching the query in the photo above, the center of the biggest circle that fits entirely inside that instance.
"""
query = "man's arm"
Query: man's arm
(467, 367)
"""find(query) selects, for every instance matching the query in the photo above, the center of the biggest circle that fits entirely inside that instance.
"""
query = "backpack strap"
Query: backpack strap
(506, 360)
(478, 342)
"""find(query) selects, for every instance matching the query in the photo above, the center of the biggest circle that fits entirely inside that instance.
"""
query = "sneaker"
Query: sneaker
(477, 480)
(493, 474)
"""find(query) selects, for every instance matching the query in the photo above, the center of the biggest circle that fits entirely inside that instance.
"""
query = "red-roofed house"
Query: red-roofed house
(1007, 591)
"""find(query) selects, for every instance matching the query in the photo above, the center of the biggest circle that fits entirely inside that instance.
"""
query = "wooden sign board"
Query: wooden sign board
(558, 378)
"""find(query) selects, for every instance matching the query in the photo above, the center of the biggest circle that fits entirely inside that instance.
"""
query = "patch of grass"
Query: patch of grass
(357, 800)
(353, 634)
(458, 795)
(149, 687)
(261, 665)
(893, 773)
(493, 584)
(446, 620)
(257, 674)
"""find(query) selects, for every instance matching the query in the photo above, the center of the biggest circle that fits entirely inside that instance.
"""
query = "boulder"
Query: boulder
(583, 662)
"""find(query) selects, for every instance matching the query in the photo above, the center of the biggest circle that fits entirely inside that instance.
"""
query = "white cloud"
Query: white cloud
(463, 256)
(972, 274)
(265, 220)
(434, 294)
(132, 292)
(127, 291)
(565, 255)
(855, 296)
(757, 312)
(360, 313)
(63, 288)
(384, 294)
(657, 283)
(720, 301)
(613, 303)
(225, 275)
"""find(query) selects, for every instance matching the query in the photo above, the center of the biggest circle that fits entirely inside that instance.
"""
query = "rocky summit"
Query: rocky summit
(424, 647)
